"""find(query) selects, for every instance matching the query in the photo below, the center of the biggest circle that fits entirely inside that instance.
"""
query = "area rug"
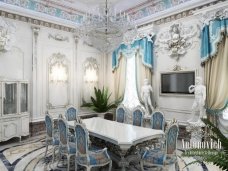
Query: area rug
(28, 155)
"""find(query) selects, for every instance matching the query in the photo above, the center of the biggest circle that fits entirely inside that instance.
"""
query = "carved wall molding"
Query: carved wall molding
(59, 60)
(70, 29)
(58, 37)
(56, 62)
(180, 15)
(131, 36)
(35, 21)
(35, 87)
(206, 16)
(53, 9)
(90, 78)
(177, 39)
(7, 34)
(91, 64)
(35, 31)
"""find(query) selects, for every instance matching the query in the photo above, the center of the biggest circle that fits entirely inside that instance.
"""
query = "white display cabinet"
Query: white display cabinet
(14, 108)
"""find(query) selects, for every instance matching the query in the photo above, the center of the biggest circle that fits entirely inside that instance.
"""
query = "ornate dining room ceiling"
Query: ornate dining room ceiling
(123, 4)
(71, 12)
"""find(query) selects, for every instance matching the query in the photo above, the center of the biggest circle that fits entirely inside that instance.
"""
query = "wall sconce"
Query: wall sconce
(91, 71)
(58, 72)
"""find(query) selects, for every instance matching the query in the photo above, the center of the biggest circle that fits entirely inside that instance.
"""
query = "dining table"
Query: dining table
(122, 140)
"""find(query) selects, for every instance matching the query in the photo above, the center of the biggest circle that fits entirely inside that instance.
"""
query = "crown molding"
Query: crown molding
(36, 15)
(188, 6)
(216, 7)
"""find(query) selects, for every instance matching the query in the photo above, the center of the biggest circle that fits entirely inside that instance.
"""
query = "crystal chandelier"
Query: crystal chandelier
(105, 28)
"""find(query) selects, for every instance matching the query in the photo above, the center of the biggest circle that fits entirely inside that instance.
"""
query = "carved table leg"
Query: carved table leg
(123, 163)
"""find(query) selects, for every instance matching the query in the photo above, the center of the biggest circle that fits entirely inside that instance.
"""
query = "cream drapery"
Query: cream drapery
(142, 72)
(216, 77)
(120, 78)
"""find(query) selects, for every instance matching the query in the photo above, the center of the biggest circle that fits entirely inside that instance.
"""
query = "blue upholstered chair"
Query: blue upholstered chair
(52, 137)
(137, 116)
(86, 158)
(165, 156)
(121, 112)
(157, 120)
(66, 147)
(71, 113)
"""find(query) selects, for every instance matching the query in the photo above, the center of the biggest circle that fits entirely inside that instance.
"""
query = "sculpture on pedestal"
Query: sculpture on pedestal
(198, 111)
(199, 102)
(146, 91)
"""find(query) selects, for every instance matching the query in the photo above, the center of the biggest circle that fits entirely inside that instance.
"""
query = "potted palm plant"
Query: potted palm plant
(100, 102)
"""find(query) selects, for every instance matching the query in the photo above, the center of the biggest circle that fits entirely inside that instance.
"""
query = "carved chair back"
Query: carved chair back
(157, 120)
(49, 125)
(171, 138)
(121, 113)
(81, 135)
(71, 113)
(138, 115)
(63, 133)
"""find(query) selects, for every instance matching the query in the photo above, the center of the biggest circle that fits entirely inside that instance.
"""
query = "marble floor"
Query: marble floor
(28, 155)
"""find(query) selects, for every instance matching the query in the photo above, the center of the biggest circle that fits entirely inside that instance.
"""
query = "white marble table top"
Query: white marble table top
(123, 135)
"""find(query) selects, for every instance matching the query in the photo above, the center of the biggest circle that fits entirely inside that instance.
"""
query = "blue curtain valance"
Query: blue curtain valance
(144, 46)
(211, 35)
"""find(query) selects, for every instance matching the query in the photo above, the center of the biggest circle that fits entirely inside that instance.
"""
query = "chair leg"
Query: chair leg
(46, 150)
(141, 164)
(68, 162)
(88, 168)
(176, 166)
(53, 154)
(76, 165)
(110, 166)
(165, 168)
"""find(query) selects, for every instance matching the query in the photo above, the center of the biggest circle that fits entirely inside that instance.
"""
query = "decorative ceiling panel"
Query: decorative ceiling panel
(73, 10)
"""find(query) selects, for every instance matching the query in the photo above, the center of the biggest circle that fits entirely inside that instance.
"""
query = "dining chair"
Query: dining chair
(157, 120)
(164, 156)
(71, 113)
(138, 115)
(121, 112)
(66, 147)
(52, 137)
(85, 157)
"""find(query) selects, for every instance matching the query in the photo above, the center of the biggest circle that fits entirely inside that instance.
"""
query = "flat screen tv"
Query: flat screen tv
(177, 82)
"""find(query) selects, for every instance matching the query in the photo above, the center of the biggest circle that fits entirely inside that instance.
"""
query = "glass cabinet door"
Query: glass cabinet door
(24, 98)
(10, 98)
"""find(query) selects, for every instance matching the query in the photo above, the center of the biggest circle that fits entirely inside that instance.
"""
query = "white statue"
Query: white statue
(199, 102)
(145, 94)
